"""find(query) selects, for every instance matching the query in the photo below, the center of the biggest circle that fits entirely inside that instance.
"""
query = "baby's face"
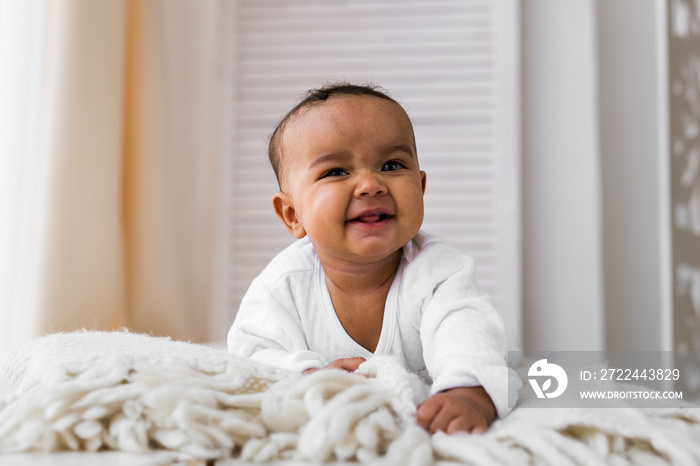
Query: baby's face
(352, 178)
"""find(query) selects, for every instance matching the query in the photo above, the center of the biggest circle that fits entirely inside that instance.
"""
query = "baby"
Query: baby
(362, 279)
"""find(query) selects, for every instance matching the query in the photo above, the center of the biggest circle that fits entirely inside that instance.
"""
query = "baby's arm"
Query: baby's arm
(460, 409)
(464, 345)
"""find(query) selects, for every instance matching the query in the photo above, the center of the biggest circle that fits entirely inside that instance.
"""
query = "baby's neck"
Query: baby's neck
(361, 279)
(358, 293)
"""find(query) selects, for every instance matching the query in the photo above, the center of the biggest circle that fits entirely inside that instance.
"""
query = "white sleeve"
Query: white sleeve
(269, 332)
(464, 339)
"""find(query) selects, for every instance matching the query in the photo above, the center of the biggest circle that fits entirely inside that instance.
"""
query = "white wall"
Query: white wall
(592, 196)
(630, 157)
(562, 285)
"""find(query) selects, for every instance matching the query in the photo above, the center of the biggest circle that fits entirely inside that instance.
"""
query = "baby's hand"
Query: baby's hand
(344, 364)
(462, 409)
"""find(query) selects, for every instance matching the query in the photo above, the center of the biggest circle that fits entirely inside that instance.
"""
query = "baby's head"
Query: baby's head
(345, 159)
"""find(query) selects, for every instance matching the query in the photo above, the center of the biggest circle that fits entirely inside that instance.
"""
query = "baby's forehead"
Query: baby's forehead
(303, 123)
(338, 108)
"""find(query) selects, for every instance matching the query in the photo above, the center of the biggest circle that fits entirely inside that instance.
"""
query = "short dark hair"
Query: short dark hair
(314, 97)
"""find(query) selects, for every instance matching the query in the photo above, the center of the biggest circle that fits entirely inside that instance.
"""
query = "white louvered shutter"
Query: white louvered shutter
(451, 64)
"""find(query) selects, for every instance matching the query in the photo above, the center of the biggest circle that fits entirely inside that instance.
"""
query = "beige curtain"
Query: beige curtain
(133, 100)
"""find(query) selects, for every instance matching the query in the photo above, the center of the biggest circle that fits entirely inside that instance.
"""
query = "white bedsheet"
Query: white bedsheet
(135, 393)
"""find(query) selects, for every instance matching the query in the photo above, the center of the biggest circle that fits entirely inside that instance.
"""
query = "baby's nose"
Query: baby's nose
(370, 185)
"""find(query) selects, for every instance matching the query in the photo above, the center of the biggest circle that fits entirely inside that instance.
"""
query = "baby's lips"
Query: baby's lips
(370, 218)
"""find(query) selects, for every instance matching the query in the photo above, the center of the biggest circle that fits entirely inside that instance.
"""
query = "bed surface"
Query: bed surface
(201, 406)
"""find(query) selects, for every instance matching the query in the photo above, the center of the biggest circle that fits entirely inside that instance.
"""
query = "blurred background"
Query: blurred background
(561, 140)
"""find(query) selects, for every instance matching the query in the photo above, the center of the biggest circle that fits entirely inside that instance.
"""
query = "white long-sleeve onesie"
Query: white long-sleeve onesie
(435, 320)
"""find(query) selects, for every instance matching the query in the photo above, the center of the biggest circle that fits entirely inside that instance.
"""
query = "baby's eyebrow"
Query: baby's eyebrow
(333, 156)
(399, 148)
(340, 157)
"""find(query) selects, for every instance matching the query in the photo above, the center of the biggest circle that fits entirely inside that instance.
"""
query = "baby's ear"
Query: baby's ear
(284, 208)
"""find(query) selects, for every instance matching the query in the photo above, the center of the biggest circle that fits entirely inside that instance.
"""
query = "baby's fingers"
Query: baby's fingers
(346, 364)
(427, 411)
(471, 424)
(442, 420)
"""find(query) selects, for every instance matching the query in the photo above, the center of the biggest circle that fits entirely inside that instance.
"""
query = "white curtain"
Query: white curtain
(110, 161)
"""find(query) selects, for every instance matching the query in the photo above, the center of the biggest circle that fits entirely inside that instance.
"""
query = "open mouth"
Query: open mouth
(371, 218)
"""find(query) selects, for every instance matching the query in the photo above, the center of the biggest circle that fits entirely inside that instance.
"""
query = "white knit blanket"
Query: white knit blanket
(131, 392)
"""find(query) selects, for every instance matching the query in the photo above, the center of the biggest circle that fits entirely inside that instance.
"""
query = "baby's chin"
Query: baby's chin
(368, 255)
(356, 256)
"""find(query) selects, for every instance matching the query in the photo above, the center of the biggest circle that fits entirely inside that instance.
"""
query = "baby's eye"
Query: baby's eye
(334, 172)
(392, 166)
